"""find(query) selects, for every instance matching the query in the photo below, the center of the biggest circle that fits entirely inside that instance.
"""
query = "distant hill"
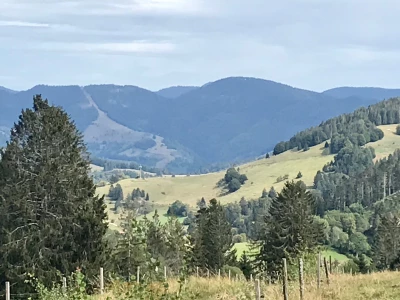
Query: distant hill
(231, 120)
(2, 88)
(363, 92)
(175, 91)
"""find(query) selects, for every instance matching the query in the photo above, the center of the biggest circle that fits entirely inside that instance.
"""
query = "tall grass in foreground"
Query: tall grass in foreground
(383, 286)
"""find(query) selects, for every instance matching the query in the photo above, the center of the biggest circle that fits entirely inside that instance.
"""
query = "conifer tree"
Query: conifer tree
(290, 230)
(213, 238)
(51, 219)
(246, 265)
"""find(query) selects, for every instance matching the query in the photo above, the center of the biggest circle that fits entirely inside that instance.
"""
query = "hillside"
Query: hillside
(363, 92)
(195, 130)
(261, 174)
(175, 91)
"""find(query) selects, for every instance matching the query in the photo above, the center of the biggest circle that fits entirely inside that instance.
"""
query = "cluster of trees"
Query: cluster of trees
(110, 165)
(233, 180)
(336, 191)
(178, 209)
(358, 128)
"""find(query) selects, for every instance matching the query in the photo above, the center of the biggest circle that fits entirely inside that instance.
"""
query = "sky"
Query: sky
(310, 44)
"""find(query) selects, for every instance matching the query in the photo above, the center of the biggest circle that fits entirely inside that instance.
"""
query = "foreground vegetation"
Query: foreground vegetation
(382, 286)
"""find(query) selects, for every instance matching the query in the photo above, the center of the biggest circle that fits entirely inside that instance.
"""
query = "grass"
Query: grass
(261, 174)
(241, 247)
(382, 286)
(335, 255)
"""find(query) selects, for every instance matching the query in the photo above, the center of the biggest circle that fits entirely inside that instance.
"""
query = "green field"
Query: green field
(241, 247)
(261, 174)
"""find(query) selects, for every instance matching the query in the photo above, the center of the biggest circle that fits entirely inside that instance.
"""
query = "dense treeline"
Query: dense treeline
(109, 165)
(372, 184)
(358, 128)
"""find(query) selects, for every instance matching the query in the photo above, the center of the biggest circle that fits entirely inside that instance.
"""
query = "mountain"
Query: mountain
(175, 91)
(2, 88)
(363, 92)
(230, 120)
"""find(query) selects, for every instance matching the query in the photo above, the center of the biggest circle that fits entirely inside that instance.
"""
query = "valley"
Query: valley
(262, 173)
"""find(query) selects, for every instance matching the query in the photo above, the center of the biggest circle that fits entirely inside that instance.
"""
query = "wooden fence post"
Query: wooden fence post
(301, 279)
(138, 275)
(229, 274)
(208, 273)
(197, 271)
(326, 270)
(8, 293)
(219, 273)
(64, 284)
(330, 264)
(251, 277)
(285, 281)
(318, 270)
(258, 289)
(101, 281)
(165, 273)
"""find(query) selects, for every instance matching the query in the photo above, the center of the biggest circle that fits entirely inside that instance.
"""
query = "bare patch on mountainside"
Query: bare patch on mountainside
(130, 143)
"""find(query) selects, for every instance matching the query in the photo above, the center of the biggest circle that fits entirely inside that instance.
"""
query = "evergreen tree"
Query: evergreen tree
(299, 175)
(131, 251)
(51, 219)
(245, 265)
(272, 193)
(147, 197)
(202, 203)
(213, 238)
(264, 193)
(290, 230)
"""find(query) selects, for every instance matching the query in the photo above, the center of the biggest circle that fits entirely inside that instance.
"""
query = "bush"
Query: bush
(234, 185)
(178, 209)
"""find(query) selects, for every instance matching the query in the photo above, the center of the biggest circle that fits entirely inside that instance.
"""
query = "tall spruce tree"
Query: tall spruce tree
(290, 230)
(51, 219)
(213, 238)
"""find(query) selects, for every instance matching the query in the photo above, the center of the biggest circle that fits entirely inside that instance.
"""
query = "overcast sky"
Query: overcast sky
(312, 44)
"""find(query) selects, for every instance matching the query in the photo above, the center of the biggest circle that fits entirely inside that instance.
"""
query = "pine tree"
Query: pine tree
(131, 251)
(290, 230)
(147, 197)
(272, 193)
(245, 265)
(51, 219)
(213, 238)
(264, 193)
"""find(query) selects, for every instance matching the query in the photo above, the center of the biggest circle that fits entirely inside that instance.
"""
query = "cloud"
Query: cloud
(116, 48)
(22, 24)
(306, 43)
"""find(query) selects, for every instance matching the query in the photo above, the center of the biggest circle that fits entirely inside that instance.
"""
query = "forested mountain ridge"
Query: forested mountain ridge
(363, 92)
(196, 130)
(175, 91)
(357, 128)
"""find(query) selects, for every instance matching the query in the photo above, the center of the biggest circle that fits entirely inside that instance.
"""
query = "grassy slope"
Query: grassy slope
(261, 174)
